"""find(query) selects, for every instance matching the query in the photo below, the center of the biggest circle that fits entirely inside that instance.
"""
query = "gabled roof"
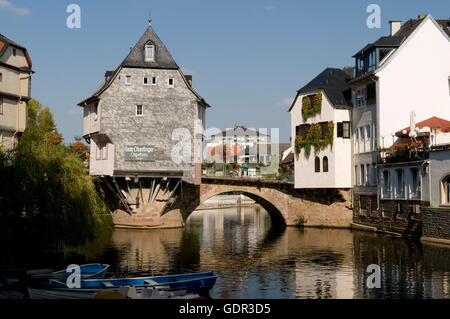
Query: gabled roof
(136, 57)
(401, 35)
(334, 82)
(5, 43)
(432, 122)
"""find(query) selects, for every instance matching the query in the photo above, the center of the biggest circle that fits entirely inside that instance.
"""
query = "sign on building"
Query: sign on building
(139, 153)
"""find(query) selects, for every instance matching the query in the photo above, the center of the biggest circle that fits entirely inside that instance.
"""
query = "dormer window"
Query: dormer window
(149, 52)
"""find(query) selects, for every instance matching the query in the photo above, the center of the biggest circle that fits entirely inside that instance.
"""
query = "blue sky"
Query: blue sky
(247, 58)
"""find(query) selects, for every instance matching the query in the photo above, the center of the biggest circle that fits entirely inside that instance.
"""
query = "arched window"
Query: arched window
(149, 51)
(445, 190)
(317, 165)
(325, 164)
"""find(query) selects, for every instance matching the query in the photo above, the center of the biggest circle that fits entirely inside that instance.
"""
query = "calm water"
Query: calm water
(255, 261)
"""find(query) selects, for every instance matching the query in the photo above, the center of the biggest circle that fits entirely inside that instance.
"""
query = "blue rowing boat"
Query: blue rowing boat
(87, 271)
(192, 283)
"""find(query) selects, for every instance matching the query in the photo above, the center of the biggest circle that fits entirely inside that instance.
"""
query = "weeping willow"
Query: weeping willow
(46, 195)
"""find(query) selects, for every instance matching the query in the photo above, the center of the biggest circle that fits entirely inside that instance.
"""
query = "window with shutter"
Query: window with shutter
(340, 129)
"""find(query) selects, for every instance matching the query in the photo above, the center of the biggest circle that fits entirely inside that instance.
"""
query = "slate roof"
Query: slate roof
(401, 35)
(334, 82)
(136, 57)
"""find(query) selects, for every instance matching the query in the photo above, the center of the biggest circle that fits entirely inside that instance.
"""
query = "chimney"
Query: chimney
(395, 26)
(108, 75)
(189, 79)
(421, 16)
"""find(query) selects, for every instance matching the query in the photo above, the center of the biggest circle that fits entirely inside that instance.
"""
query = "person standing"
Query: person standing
(245, 168)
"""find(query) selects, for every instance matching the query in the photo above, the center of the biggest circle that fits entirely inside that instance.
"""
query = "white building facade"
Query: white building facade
(407, 71)
(328, 163)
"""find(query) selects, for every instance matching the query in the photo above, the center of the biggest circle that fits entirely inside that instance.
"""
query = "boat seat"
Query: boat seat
(129, 292)
(107, 284)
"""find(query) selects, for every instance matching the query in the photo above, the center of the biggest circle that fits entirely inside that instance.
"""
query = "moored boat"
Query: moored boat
(171, 286)
(191, 282)
(87, 271)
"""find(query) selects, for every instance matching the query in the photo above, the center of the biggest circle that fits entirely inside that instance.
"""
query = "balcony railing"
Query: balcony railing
(408, 152)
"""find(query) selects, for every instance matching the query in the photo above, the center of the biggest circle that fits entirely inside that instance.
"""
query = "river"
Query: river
(254, 260)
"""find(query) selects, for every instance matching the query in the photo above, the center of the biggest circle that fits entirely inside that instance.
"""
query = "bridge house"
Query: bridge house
(131, 120)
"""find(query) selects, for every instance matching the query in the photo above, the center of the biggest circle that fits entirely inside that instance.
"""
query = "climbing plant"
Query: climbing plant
(311, 105)
(313, 139)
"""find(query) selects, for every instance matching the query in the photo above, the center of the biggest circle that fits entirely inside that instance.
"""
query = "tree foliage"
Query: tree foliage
(46, 194)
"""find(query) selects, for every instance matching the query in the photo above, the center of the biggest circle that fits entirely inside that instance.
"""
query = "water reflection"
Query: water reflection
(254, 260)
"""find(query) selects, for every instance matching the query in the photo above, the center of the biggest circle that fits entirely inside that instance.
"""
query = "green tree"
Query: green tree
(48, 198)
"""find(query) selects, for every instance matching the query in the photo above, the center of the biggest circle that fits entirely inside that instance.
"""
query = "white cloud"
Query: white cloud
(269, 8)
(286, 102)
(8, 5)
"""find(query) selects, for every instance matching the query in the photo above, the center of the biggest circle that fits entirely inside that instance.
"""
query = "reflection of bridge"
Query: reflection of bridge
(284, 203)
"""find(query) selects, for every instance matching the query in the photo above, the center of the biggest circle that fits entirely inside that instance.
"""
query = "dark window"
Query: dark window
(14, 52)
(304, 128)
(1, 77)
(153, 80)
(371, 94)
(170, 82)
(297, 130)
(383, 53)
(343, 129)
(325, 164)
(1, 105)
(323, 127)
(317, 165)
(139, 110)
(340, 129)
(372, 61)
(145, 80)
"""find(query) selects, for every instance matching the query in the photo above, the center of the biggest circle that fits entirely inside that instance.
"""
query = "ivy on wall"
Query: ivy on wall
(313, 139)
(311, 105)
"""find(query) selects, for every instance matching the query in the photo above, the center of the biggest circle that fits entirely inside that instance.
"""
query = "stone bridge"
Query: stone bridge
(285, 204)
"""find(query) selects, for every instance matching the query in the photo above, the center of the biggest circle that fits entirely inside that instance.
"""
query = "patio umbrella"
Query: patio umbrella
(412, 125)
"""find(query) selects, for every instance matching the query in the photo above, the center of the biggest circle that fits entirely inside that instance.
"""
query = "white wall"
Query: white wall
(439, 168)
(415, 79)
(101, 167)
(339, 156)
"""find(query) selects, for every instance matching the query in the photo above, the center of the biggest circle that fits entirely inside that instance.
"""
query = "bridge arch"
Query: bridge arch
(273, 207)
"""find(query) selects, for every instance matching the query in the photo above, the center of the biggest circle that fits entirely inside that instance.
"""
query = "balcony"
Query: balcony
(407, 152)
